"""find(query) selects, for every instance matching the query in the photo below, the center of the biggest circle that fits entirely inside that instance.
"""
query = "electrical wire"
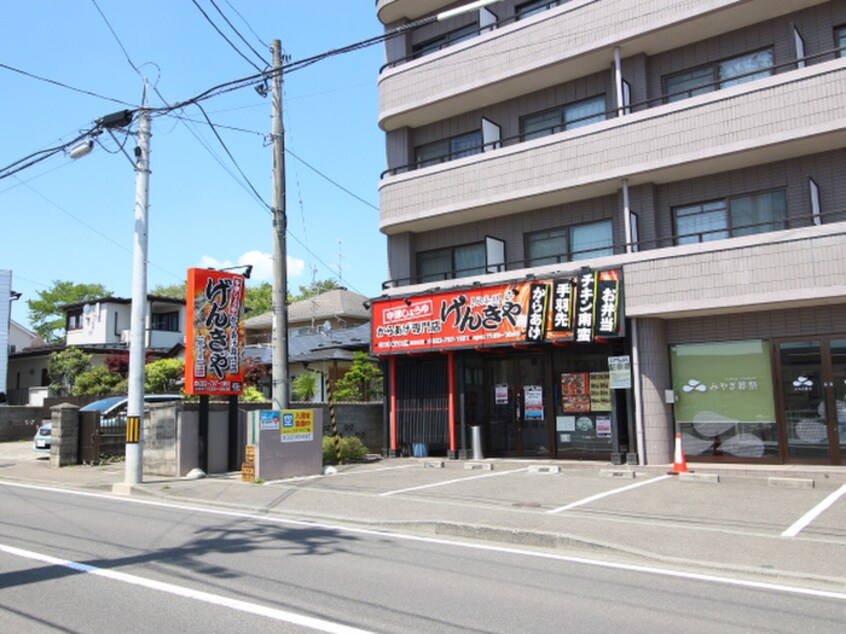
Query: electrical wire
(244, 20)
(229, 154)
(62, 85)
(232, 26)
(223, 35)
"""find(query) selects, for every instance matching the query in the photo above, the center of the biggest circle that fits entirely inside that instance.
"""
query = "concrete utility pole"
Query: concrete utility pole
(279, 368)
(138, 319)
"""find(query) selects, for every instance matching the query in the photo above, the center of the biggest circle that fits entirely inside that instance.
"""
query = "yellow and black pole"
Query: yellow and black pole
(133, 429)
(331, 399)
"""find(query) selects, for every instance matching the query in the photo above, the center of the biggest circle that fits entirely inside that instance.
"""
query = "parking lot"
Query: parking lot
(770, 522)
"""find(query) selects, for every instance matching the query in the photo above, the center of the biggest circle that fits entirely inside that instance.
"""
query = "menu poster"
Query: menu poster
(533, 400)
(603, 426)
(575, 392)
(600, 391)
(501, 394)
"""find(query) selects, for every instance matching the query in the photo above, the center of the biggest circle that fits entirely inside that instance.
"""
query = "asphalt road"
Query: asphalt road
(82, 562)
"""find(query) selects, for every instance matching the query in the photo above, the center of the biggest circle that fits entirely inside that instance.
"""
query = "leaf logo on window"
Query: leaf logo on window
(693, 384)
(803, 383)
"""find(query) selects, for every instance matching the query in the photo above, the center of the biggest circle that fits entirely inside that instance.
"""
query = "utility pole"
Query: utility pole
(138, 319)
(279, 368)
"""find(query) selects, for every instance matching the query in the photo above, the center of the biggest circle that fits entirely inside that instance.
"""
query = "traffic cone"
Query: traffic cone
(679, 461)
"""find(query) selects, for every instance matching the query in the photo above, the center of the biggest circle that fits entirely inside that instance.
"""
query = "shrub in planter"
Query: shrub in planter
(352, 450)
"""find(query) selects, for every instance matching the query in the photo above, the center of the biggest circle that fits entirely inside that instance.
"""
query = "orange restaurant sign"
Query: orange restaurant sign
(215, 336)
(580, 308)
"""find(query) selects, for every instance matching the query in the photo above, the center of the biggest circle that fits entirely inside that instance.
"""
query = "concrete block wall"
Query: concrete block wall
(19, 422)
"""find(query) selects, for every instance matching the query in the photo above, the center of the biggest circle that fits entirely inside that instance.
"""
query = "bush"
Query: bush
(252, 394)
(351, 450)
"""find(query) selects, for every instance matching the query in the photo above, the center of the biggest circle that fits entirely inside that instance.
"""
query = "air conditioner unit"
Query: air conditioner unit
(124, 336)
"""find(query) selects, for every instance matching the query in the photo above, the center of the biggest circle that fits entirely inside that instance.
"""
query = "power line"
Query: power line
(244, 20)
(62, 85)
(223, 35)
(232, 26)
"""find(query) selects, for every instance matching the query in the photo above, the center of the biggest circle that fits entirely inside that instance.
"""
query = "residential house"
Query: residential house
(100, 328)
(613, 221)
(324, 332)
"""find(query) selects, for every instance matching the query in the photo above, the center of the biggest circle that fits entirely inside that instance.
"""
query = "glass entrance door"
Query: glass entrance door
(813, 387)
(519, 403)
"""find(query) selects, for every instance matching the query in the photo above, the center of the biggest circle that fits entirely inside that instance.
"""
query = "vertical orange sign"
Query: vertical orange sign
(215, 333)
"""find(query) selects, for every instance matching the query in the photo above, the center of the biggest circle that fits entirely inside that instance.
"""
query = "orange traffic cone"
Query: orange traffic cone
(679, 461)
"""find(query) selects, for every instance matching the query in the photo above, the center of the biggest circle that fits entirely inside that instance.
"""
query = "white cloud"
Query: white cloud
(262, 265)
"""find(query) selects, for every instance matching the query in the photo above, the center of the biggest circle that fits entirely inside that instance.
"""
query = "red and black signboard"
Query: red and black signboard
(579, 308)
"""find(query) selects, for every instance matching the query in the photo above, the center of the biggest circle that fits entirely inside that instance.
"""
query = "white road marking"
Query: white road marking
(664, 572)
(285, 616)
(599, 496)
(445, 482)
(815, 512)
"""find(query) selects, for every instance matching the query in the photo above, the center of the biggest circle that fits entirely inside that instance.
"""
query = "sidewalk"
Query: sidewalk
(588, 509)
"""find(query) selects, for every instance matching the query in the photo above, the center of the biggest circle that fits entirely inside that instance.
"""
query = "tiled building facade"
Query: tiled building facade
(696, 148)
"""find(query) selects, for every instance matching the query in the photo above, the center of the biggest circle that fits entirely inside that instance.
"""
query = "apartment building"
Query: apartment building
(612, 221)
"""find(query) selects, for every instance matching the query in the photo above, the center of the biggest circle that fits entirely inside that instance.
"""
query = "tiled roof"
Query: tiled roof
(338, 302)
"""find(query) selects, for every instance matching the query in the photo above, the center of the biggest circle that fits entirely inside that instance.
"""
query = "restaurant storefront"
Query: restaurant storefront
(540, 367)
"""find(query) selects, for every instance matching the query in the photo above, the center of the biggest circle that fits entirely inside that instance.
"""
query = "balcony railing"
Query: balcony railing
(806, 220)
(501, 22)
(611, 113)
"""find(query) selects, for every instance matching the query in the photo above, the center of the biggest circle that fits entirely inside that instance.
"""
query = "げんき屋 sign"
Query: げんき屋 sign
(579, 308)
(215, 333)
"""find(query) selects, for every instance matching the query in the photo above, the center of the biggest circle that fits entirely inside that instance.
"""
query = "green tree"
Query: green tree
(174, 291)
(317, 288)
(305, 386)
(259, 299)
(163, 376)
(64, 367)
(98, 381)
(46, 313)
(362, 382)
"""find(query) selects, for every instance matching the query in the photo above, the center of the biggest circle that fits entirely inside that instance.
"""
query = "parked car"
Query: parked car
(42, 438)
(113, 408)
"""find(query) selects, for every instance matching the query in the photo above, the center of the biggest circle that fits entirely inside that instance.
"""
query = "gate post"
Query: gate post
(64, 446)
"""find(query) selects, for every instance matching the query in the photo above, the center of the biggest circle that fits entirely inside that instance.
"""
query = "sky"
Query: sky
(73, 220)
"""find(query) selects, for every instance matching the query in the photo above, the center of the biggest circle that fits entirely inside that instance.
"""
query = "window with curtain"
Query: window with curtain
(722, 74)
(168, 322)
(567, 117)
(567, 244)
(449, 149)
(730, 217)
(451, 262)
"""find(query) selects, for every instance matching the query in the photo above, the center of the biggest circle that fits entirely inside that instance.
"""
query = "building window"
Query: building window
(445, 40)
(449, 149)
(724, 399)
(840, 40)
(566, 117)
(718, 75)
(168, 322)
(730, 217)
(566, 244)
(74, 319)
(451, 262)
(524, 10)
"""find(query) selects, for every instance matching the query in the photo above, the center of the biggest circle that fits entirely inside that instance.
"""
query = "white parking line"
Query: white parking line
(599, 496)
(445, 482)
(815, 512)
(340, 473)
(285, 616)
